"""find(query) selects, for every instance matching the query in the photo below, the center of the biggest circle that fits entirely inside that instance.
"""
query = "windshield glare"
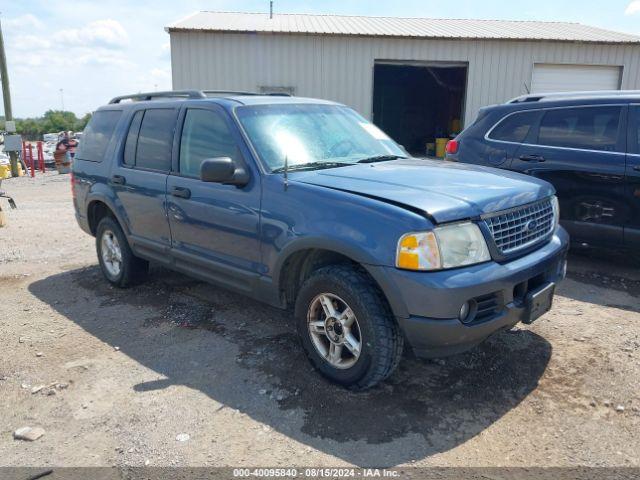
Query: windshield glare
(305, 134)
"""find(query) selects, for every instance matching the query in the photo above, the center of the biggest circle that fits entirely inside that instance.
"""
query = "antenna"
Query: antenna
(286, 172)
(271, 9)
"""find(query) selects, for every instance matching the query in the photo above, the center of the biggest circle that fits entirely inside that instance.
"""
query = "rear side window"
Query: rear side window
(515, 127)
(97, 135)
(634, 140)
(155, 139)
(129, 157)
(589, 128)
(205, 134)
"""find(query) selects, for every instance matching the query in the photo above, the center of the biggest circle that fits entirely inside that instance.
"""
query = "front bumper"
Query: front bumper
(427, 304)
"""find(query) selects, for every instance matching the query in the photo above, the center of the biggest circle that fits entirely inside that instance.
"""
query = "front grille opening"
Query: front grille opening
(521, 290)
(484, 308)
(521, 227)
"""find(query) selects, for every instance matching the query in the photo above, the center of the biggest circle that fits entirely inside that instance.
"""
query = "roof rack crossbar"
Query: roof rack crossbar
(537, 97)
(138, 97)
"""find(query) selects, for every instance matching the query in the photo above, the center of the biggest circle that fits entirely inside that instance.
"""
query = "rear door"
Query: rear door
(581, 151)
(632, 226)
(214, 227)
(508, 134)
(140, 179)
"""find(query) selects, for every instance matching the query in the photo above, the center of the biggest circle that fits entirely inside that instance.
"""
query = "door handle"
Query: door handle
(181, 192)
(636, 168)
(532, 158)
(118, 180)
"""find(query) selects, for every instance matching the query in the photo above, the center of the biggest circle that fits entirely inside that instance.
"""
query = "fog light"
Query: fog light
(464, 311)
(468, 311)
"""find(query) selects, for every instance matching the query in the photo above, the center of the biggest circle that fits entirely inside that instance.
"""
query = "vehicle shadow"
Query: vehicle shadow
(603, 277)
(425, 408)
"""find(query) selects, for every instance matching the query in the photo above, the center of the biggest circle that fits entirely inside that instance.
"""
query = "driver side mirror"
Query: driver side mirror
(223, 170)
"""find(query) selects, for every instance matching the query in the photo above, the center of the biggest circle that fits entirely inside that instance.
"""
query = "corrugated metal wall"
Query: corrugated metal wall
(341, 68)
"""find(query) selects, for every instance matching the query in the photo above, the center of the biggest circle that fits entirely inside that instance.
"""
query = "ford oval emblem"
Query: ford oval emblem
(530, 226)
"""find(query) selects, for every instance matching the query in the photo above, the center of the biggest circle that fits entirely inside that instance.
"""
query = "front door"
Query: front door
(632, 226)
(140, 180)
(581, 152)
(214, 227)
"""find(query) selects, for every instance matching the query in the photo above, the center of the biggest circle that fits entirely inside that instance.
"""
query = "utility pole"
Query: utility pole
(62, 98)
(6, 97)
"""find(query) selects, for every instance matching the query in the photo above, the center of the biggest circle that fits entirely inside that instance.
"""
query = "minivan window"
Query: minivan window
(590, 128)
(205, 134)
(129, 157)
(97, 135)
(155, 139)
(515, 127)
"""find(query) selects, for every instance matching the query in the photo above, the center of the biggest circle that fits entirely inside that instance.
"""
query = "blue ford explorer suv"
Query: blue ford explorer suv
(306, 205)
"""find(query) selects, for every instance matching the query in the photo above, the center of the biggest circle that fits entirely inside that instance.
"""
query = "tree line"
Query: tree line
(53, 121)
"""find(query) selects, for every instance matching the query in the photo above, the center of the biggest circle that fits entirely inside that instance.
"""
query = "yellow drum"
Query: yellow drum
(441, 143)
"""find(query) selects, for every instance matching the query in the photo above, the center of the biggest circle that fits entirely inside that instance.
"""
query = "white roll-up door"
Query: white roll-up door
(565, 78)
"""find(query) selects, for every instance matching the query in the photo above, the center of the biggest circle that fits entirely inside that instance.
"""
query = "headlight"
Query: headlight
(445, 247)
(556, 211)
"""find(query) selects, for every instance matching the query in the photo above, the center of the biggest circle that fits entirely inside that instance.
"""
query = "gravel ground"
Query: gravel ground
(178, 372)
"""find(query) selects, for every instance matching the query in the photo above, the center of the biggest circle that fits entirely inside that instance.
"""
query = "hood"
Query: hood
(445, 191)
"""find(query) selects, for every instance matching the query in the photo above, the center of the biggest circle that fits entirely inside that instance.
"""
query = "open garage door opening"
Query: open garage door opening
(416, 102)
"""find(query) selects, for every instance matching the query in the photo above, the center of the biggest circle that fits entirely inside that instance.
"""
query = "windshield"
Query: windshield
(313, 136)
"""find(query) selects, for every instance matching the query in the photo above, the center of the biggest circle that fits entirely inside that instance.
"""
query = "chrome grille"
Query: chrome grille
(521, 227)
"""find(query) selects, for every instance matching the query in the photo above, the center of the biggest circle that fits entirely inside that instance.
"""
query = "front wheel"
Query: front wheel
(347, 328)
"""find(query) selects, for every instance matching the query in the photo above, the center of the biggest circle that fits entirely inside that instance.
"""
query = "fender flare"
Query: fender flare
(110, 203)
(358, 255)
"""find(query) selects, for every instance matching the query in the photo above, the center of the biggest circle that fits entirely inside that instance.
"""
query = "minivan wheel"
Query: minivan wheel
(346, 327)
(118, 263)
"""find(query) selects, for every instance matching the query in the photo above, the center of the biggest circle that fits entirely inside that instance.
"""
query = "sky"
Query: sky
(93, 50)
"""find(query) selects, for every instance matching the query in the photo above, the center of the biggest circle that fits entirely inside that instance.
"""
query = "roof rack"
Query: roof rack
(139, 97)
(241, 92)
(539, 97)
(190, 94)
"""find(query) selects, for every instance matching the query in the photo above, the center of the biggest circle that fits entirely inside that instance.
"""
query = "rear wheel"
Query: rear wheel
(346, 327)
(118, 263)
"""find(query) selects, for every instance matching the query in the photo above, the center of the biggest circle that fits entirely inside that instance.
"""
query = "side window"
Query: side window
(514, 128)
(129, 157)
(97, 135)
(155, 139)
(590, 128)
(636, 116)
(205, 134)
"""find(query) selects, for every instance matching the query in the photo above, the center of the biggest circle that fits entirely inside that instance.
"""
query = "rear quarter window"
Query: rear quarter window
(514, 127)
(97, 135)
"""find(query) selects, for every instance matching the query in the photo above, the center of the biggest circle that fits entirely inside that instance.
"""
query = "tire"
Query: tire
(373, 327)
(130, 269)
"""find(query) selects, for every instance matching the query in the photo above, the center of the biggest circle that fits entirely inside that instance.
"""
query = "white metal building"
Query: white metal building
(417, 78)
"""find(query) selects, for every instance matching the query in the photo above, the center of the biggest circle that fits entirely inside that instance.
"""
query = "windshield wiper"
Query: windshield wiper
(379, 158)
(310, 166)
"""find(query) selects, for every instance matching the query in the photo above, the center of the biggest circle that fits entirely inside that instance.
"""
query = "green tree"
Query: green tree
(53, 121)
(58, 121)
